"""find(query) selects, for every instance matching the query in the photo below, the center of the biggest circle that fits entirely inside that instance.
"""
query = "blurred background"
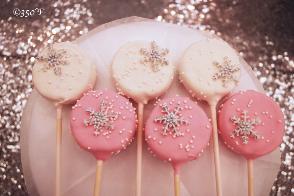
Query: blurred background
(261, 31)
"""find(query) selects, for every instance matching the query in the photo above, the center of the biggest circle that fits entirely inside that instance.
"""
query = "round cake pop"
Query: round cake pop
(142, 70)
(177, 130)
(251, 124)
(62, 73)
(209, 69)
(103, 123)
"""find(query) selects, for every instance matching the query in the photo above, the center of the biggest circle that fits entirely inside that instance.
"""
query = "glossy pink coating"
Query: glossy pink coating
(187, 130)
(251, 124)
(114, 118)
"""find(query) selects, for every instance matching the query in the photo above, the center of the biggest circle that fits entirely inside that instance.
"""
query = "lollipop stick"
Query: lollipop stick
(176, 183)
(98, 177)
(58, 149)
(139, 148)
(250, 177)
(216, 151)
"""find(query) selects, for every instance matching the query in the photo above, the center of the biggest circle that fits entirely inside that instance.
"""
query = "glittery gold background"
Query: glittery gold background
(260, 30)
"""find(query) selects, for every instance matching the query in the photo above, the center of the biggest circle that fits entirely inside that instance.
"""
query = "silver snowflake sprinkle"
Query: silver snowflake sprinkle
(225, 71)
(155, 56)
(171, 120)
(102, 119)
(54, 60)
(245, 127)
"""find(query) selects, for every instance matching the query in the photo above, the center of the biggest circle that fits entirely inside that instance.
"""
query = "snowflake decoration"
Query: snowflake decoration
(155, 57)
(225, 71)
(171, 120)
(54, 60)
(245, 127)
(102, 119)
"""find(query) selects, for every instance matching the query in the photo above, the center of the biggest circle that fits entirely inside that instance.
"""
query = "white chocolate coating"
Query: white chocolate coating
(136, 79)
(77, 74)
(197, 69)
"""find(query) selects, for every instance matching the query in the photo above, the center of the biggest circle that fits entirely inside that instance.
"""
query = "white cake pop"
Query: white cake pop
(62, 73)
(209, 69)
(142, 70)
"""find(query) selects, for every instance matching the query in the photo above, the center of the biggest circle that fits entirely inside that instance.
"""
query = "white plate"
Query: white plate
(118, 178)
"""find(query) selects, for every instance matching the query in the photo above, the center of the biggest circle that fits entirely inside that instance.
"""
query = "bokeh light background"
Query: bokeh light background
(262, 31)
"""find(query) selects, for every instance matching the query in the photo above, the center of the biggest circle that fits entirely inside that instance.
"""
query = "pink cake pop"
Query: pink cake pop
(251, 124)
(177, 131)
(103, 123)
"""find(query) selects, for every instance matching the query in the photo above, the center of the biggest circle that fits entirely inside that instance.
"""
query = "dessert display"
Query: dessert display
(177, 131)
(62, 74)
(138, 71)
(209, 70)
(142, 71)
(103, 123)
(252, 125)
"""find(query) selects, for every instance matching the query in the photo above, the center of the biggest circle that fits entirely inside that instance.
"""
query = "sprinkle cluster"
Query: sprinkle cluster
(244, 127)
(154, 56)
(171, 120)
(54, 60)
(225, 71)
(103, 118)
